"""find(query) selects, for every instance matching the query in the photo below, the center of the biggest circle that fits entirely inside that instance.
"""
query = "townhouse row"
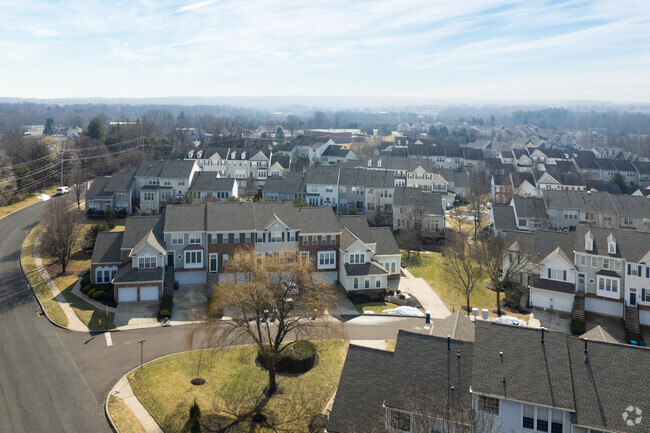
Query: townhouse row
(193, 244)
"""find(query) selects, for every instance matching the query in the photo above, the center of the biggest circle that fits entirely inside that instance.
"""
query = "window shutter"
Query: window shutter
(640, 271)
(564, 275)
(219, 238)
(264, 237)
(242, 238)
(232, 237)
(643, 298)
(629, 269)
(549, 273)
(282, 236)
(647, 271)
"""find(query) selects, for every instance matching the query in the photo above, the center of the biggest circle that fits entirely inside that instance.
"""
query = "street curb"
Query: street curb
(20, 256)
(18, 210)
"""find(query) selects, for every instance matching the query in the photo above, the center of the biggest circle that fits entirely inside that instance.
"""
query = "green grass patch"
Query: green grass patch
(234, 385)
(390, 345)
(87, 313)
(375, 307)
(31, 199)
(51, 307)
(125, 421)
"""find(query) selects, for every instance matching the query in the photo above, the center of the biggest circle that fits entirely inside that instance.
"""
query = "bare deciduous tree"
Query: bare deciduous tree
(479, 188)
(501, 265)
(462, 267)
(62, 227)
(77, 181)
(272, 299)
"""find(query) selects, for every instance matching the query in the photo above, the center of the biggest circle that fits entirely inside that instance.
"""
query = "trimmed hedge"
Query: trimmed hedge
(86, 288)
(91, 292)
(578, 327)
(99, 294)
(166, 307)
(300, 357)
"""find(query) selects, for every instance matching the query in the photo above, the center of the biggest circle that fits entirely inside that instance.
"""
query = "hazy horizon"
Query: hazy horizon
(475, 50)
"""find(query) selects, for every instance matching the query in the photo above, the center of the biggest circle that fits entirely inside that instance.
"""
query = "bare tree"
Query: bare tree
(291, 123)
(479, 188)
(501, 265)
(462, 268)
(272, 299)
(456, 215)
(62, 228)
(77, 180)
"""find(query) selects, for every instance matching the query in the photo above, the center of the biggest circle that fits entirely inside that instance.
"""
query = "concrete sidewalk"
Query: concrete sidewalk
(123, 391)
(419, 288)
(74, 324)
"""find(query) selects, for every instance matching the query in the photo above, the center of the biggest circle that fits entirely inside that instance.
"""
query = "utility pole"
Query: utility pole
(62, 156)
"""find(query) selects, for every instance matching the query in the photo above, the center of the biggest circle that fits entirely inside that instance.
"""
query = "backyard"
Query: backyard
(233, 389)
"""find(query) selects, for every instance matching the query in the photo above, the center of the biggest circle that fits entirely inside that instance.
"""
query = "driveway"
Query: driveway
(190, 303)
(423, 292)
(132, 315)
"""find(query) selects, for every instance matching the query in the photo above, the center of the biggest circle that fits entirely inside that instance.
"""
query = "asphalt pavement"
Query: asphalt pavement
(55, 380)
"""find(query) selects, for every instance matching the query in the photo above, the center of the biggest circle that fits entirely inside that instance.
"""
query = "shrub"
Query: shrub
(166, 305)
(86, 288)
(90, 292)
(318, 423)
(578, 327)
(297, 358)
(85, 279)
(98, 295)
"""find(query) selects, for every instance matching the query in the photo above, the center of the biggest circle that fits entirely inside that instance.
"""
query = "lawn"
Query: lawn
(390, 345)
(375, 307)
(234, 385)
(31, 199)
(51, 307)
(125, 421)
(79, 264)
(431, 267)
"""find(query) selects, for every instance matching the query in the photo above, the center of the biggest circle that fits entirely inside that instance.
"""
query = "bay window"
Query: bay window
(326, 259)
(146, 262)
(194, 259)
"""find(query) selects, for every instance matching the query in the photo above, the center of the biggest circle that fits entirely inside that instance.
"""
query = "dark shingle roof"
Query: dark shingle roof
(360, 395)
(167, 168)
(107, 248)
(292, 183)
(456, 326)
(121, 180)
(368, 268)
(137, 227)
(632, 245)
(207, 181)
(128, 274)
(385, 240)
(432, 202)
(98, 188)
(504, 217)
(530, 207)
(529, 370)
(555, 286)
(427, 376)
(607, 383)
(184, 218)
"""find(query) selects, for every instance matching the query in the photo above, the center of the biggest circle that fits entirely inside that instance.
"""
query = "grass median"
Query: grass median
(31, 199)
(233, 388)
(125, 421)
(51, 307)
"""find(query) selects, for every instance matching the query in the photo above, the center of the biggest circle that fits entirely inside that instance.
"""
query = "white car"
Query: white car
(62, 190)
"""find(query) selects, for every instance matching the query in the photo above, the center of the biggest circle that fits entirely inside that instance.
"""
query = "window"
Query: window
(557, 421)
(304, 255)
(305, 240)
(583, 260)
(326, 259)
(605, 263)
(488, 404)
(355, 283)
(314, 240)
(571, 214)
(617, 265)
(247, 238)
(377, 282)
(556, 274)
(366, 283)
(275, 237)
(400, 421)
(148, 196)
(146, 262)
(226, 238)
(608, 286)
(323, 240)
(594, 262)
(121, 194)
(628, 221)
(528, 418)
(611, 248)
(392, 268)
(177, 238)
(357, 258)
(195, 237)
(181, 182)
(194, 259)
(333, 239)
(542, 419)
(645, 295)
(236, 238)
(167, 183)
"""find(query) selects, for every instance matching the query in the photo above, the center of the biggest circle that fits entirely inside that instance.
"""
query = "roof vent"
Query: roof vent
(586, 351)
(448, 342)
(458, 354)
(542, 335)
(501, 355)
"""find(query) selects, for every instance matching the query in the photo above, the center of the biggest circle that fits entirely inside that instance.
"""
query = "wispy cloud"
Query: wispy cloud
(195, 6)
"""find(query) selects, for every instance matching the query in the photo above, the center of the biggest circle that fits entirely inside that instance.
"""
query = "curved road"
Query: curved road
(55, 380)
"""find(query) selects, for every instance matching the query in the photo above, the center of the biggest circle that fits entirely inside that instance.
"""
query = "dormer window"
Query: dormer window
(370, 163)
(611, 244)
(589, 241)
(379, 163)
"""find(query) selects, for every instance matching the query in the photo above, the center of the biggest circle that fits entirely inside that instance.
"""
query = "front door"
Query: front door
(213, 263)
(581, 282)
(170, 259)
(633, 297)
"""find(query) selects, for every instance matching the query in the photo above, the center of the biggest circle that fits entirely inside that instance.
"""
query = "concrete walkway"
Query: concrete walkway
(372, 344)
(74, 324)
(123, 391)
(429, 299)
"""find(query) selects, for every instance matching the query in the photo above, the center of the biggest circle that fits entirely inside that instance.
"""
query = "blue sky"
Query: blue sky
(438, 49)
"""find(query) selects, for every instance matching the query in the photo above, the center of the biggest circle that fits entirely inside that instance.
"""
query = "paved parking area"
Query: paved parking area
(190, 303)
(142, 314)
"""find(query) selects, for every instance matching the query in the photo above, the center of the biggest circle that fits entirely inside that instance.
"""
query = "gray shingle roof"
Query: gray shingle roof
(98, 188)
(292, 183)
(406, 196)
(528, 370)
(530, 207)
(632, 245)
(368, 268)
(184, 218)
(608, 383)
(456, 326)
(426, 376)
(137, 227)
(170, 168)
(386, 244)
(122, 180)
(598, 333)
(504, 217)
(358, 402)
(555, 286)
(207, 181)
(107, 248)
(358, 225)
(127, 274)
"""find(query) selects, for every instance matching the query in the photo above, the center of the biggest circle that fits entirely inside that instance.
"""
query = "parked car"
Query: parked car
(62, 190)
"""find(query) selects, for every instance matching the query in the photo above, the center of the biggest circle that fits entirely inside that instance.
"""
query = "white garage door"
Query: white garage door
(149, 293)
(644, 317)
(604, 307)
(328, 277)
(190, 277)
(547, 299)
(128, 294)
